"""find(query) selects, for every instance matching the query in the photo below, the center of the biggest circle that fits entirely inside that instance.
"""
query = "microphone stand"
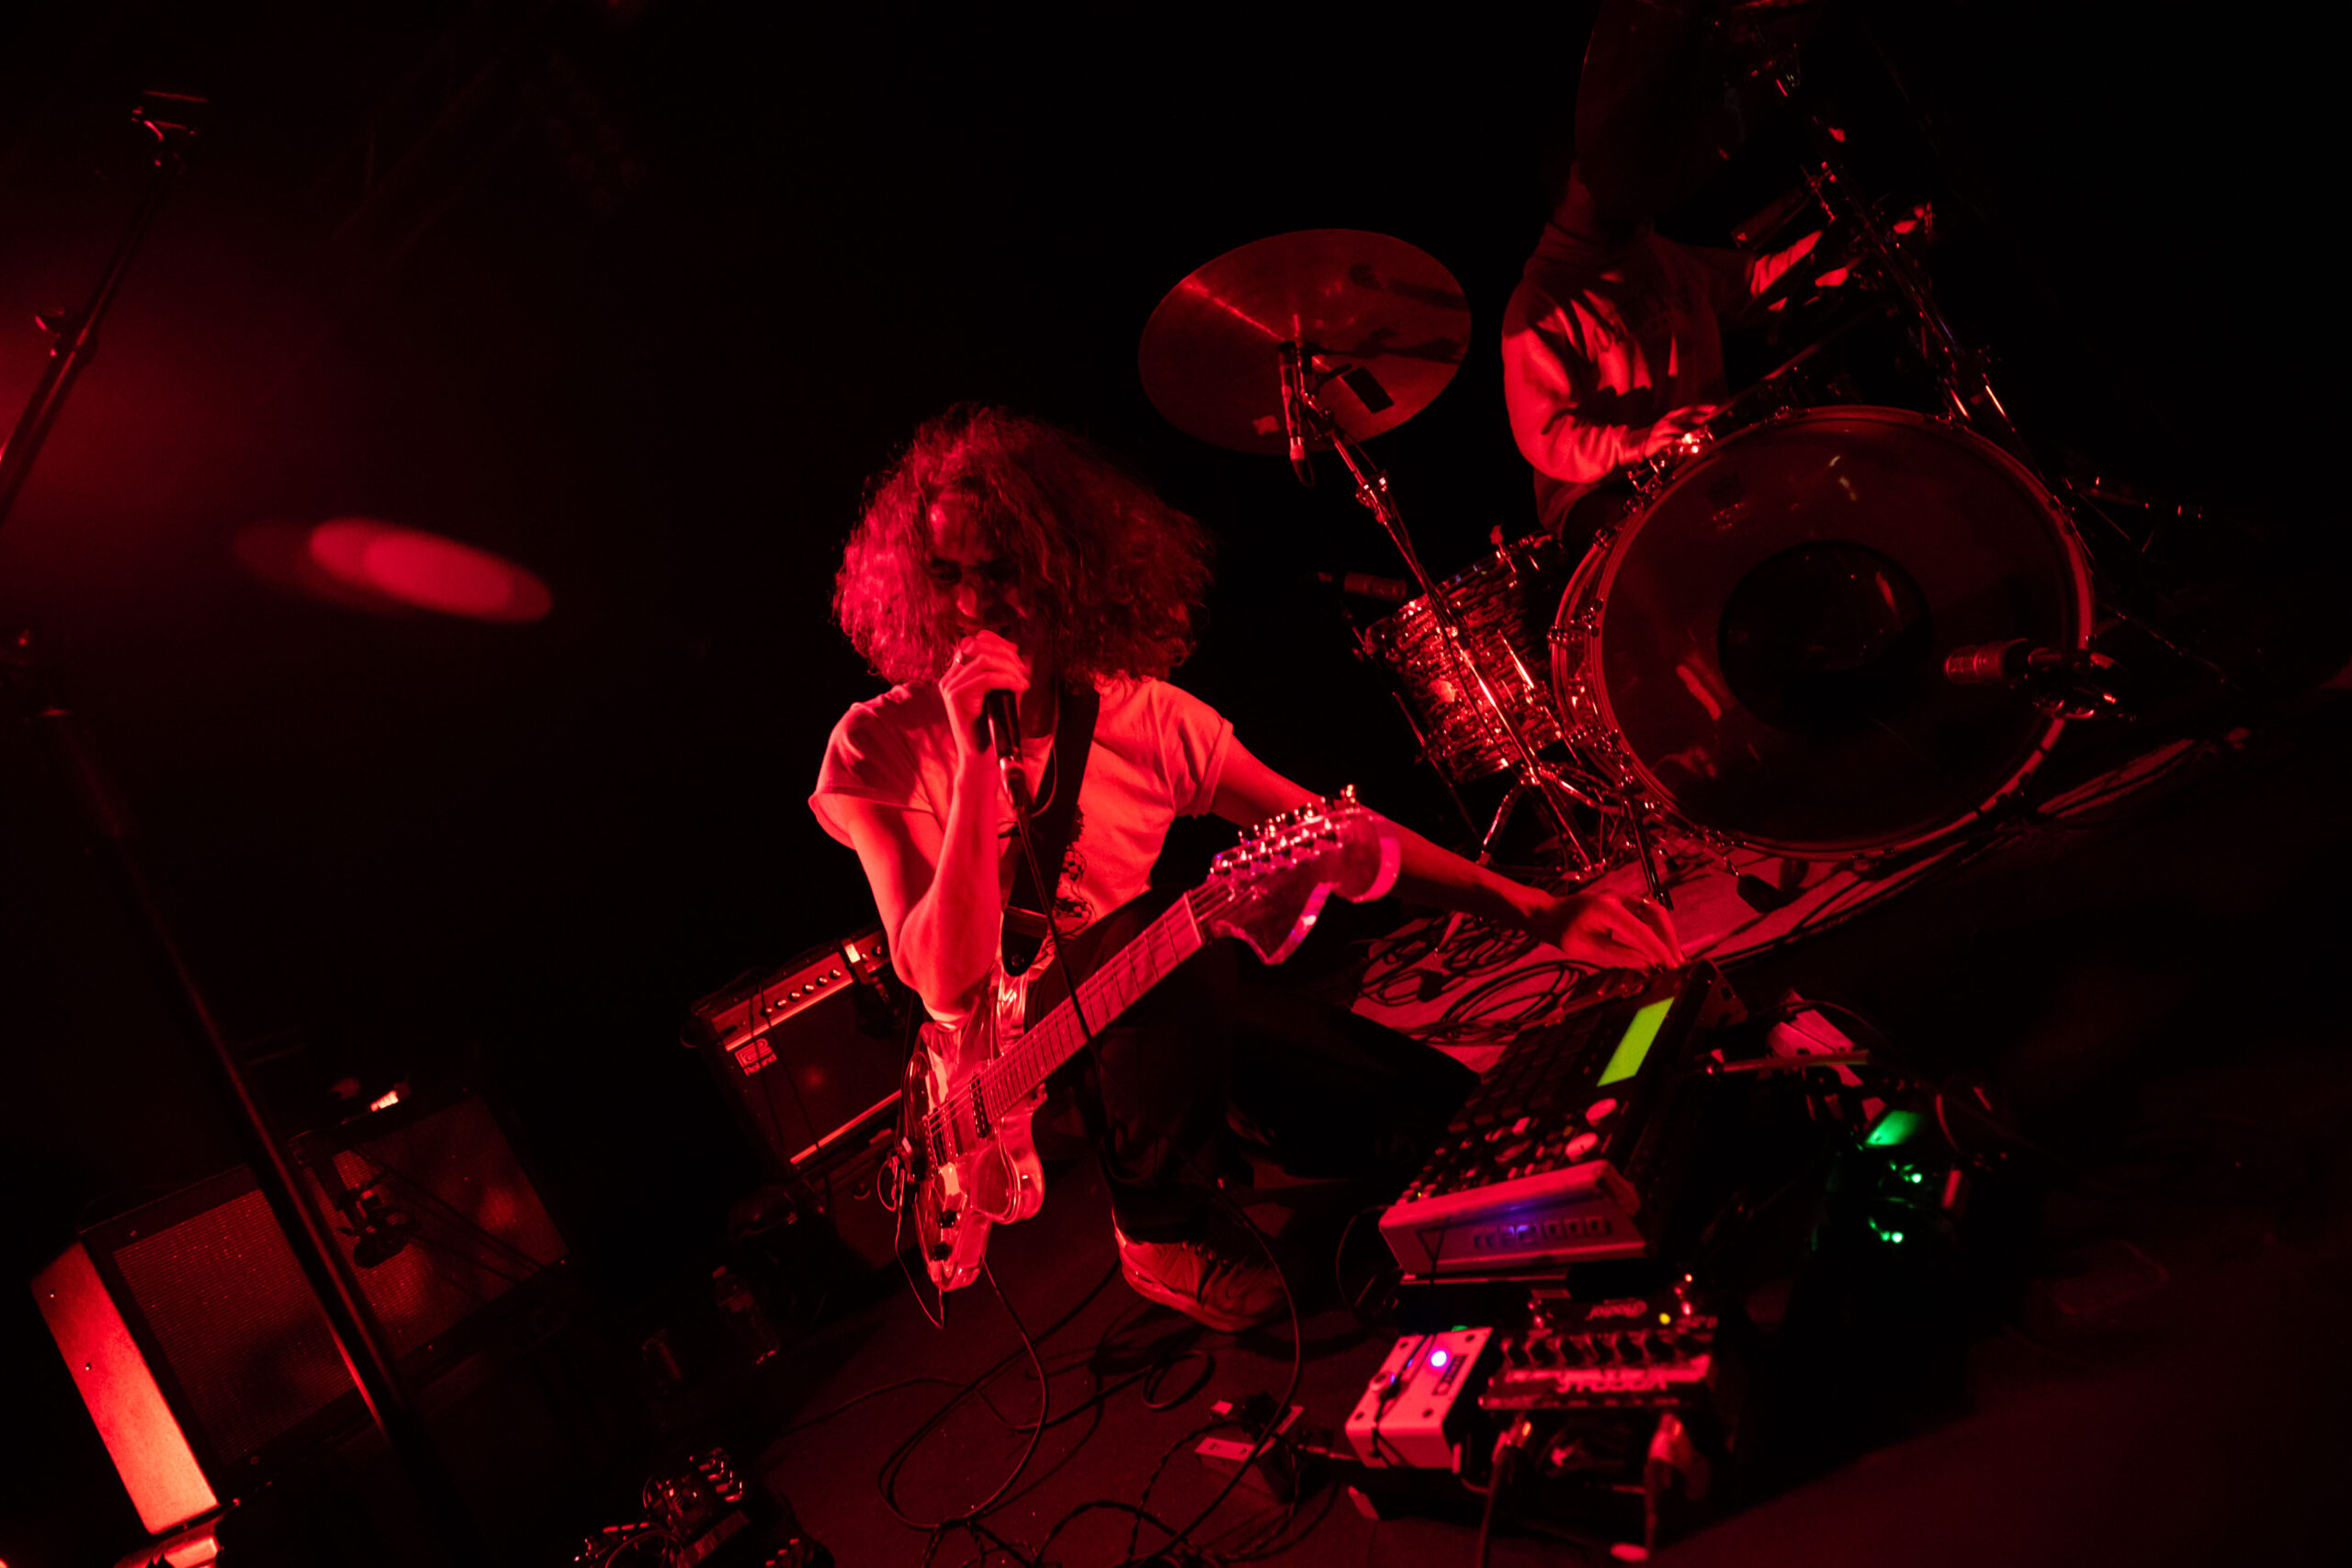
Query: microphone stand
(169, 116)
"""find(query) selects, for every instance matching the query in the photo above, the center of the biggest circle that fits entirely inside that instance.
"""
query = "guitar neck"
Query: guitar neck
(1115, 986)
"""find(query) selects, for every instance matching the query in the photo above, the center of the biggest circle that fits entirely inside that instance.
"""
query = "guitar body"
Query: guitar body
(974, 1091)
(991, 1174)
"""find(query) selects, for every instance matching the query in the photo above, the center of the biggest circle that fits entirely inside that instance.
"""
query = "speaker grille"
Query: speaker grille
(229, 1313)
(469, 1225)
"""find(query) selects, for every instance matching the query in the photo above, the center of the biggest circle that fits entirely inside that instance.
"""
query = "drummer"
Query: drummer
(1612, 342)
(1612, 348)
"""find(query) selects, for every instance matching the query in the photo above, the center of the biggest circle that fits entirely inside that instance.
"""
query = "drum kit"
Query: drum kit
(1769, 650)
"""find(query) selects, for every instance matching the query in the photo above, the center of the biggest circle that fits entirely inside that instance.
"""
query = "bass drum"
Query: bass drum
(1760, 649)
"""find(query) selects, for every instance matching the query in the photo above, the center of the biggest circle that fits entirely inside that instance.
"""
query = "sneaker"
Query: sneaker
(1227, 1290)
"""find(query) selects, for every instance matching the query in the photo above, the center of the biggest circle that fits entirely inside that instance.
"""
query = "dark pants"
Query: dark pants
(1330, 1093)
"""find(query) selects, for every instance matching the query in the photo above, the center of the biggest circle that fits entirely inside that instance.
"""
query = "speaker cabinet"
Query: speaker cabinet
(810, 1053)
(809, 1058)
(193, 1337)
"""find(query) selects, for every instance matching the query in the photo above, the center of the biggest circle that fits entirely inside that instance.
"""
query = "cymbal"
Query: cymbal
(1381, 327)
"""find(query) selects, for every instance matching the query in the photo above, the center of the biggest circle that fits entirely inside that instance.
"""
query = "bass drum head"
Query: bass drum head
(1765, 642)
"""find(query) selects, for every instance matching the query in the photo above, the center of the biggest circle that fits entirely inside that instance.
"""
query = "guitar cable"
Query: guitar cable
(1016, 784)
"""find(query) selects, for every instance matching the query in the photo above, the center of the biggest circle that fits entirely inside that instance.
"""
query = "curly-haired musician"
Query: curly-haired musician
(1001, 553)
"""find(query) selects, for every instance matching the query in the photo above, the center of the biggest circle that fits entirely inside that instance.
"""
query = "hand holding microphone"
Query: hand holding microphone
(985, 670)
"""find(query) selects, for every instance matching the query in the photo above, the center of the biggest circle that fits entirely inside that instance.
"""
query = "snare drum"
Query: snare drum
(1505, 602)
(1759, 649)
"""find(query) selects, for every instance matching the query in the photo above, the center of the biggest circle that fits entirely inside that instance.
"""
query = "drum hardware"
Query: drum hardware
(1957, 369)
(1318, 341)
(1421, 743)
(2068, 683)
(1381, 318)
(1500, 601)
(1650, 474)
(1531, 777)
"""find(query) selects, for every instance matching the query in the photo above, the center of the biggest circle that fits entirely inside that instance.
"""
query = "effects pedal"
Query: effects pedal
(1655, 1352)
(1415, 1411)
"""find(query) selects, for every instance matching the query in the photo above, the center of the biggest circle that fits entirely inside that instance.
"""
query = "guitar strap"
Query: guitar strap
(1026, 924)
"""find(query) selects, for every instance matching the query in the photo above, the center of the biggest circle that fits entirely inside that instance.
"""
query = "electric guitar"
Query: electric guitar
(973, 1089)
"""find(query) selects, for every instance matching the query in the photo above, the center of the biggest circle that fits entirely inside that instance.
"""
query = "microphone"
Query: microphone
(1004, 739)
(2010, 663)
(2071, 682)
(1004, 727)
(1293, 414)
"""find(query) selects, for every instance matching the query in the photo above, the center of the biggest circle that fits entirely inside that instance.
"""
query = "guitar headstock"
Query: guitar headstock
(1270, 888)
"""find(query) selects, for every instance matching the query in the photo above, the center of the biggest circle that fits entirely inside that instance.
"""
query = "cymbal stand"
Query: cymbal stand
(1531, 776)
(1958, 369)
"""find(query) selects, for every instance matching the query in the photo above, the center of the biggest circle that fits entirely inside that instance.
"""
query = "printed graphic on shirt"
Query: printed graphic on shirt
(1072, 910)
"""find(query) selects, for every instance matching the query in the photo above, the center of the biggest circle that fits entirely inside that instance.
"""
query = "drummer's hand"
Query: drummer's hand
(1607, 929)
(982, 662)
(1676, 428)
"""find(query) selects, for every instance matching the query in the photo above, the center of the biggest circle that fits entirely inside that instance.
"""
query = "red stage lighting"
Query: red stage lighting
(412, 567)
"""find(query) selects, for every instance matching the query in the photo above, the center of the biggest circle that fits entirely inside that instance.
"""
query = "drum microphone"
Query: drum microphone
(1294, 412)
(2074, 682)
(2010, 663)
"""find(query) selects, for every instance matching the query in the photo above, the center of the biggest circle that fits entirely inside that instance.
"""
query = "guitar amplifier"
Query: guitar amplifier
(810, 1056)
(1570, 1147)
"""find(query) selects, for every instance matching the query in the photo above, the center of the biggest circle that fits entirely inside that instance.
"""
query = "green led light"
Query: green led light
(1894, 1236)
(1914, 1176)
(1626, 1060)
(1893, 1129)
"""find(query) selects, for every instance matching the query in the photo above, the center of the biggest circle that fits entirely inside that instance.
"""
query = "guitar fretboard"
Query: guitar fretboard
(1111, 989)
(1115, 986)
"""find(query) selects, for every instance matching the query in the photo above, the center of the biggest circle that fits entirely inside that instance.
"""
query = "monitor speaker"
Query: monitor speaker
(193, 1336)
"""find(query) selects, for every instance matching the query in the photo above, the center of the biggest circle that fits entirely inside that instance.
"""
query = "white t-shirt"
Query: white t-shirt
(1158, 754)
